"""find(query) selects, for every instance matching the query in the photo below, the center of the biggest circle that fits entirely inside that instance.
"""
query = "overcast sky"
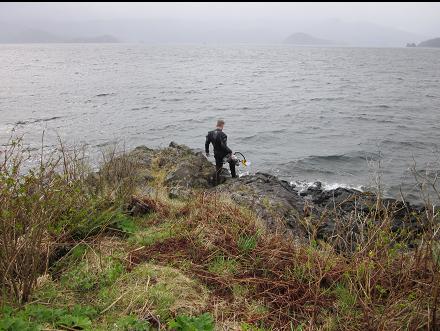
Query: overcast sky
(356, 24)
(422, 18)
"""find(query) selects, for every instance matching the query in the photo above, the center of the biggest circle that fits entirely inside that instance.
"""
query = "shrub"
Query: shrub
(33, 203)
(203, 322)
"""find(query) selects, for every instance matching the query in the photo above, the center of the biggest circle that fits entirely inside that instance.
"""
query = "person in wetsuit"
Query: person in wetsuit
(221, 150)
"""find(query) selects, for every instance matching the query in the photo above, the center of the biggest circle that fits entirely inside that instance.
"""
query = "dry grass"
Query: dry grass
(205, 254)
(383, 285)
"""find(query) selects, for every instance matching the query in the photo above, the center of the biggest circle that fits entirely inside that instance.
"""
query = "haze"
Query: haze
(357, 24)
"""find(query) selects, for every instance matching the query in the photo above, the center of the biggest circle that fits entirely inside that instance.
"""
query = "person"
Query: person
(221, 150)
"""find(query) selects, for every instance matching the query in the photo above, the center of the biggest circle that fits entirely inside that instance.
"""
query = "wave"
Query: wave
(357, 155)
(262, 135)
(246, 138)
(327, 166)
(406, 143)
(172, 99)
(104, 94)
(303, 186)
(139, 108)
(327, 99)
(37, 120)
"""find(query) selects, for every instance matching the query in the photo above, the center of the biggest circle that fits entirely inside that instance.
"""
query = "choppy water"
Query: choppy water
(303, 113)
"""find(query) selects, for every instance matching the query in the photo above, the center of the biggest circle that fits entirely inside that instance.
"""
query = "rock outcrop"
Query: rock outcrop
(337, 215)
(177, 166)
(314, 213)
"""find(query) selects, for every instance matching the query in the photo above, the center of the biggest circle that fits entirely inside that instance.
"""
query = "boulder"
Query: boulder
(275, 201)
(185, 167)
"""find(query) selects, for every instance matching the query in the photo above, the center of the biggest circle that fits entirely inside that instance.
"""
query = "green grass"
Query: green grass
(154, 234)
(247, 243)
(225, 271)
(223, 266)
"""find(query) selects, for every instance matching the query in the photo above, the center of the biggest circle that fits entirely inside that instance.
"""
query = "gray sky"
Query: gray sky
(243, 21)
(422, 18)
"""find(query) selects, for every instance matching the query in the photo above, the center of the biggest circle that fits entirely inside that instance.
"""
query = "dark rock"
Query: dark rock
(142, 155)
(274, 200)
(332, 215)
(327, 214)
(138, 207)
(179, 193)
(186, 168)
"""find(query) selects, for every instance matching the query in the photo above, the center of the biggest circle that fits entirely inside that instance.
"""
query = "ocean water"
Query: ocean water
(338, 115)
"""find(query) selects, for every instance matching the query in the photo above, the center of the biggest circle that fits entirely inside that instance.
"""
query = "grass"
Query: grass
(200, 263)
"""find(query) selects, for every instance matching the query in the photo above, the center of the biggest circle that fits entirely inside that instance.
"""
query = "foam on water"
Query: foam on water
(302, 186)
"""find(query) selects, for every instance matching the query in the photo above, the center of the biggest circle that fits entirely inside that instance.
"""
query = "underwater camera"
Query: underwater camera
(238, 158)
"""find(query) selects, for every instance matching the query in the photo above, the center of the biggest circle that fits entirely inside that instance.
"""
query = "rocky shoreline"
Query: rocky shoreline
(336, 215)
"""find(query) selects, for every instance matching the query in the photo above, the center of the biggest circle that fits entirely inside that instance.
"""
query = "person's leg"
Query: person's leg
(232, 168)
(218, 170)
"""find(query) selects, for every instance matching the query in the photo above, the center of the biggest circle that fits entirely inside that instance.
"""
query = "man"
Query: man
(221, 150)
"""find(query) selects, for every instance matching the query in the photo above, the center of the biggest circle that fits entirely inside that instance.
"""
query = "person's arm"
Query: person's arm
(224, 143)
(207, 142)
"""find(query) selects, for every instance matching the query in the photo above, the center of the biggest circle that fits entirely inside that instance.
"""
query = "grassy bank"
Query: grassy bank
(82, 251)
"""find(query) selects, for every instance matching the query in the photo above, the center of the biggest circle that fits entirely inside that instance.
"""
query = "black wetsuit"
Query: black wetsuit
(221, 150)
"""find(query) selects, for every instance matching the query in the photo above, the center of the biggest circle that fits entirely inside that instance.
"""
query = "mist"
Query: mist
(354, 24)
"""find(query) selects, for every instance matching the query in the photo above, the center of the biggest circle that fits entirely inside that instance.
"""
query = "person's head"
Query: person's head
(220, 124)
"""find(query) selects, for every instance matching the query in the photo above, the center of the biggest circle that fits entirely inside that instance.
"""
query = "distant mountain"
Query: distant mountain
(355, 33)
(155, 30)
(9, 34)
(430, 43)
(99, 39)
(301, 38)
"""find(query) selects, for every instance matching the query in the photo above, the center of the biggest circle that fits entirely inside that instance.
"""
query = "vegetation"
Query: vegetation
(75, 256)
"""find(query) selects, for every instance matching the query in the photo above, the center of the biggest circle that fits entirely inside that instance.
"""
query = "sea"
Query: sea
(352, 117)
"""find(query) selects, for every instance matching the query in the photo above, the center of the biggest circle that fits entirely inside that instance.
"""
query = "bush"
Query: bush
(132, 323)
(51, 203)
(34, 317)
(34, 203)
(203, 322)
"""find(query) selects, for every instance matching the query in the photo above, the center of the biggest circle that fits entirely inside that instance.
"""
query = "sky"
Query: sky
(417, 17)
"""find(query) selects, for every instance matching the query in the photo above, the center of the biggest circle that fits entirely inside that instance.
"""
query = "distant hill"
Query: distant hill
(430, 43)
(318, 32)
(9, 34)
(99, 39)
(301, 38)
